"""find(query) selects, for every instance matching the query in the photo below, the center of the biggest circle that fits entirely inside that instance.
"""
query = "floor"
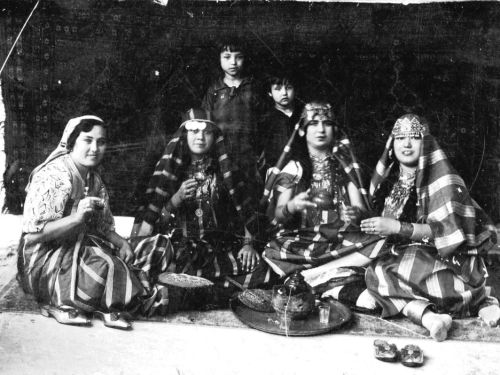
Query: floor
(30, 343)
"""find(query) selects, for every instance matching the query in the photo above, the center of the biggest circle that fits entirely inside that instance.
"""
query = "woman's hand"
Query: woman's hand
(125, 252)
(249, 258)
(301, 202)
(187, 190)
(383, 226)
(89, 206)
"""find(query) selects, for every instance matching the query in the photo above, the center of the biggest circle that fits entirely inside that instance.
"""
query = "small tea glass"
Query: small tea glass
(324, 312)
(285, 321)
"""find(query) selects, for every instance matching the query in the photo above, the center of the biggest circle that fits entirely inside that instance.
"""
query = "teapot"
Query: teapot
(294, 297)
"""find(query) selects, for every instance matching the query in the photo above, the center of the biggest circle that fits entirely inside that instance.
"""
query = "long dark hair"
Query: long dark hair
(299, 150)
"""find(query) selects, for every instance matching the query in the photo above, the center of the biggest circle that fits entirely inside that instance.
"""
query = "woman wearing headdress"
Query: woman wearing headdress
(436, 232)
(70, 257)
(316, 201)
(197, 210)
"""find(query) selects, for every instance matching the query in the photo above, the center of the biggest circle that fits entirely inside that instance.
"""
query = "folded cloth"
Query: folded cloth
(320, 277)
(354, 295)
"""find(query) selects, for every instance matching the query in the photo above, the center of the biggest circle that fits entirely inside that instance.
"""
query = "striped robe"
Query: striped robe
(206, 257)
(82, 271)
(312, 241)
(203, 236)
(448, 272)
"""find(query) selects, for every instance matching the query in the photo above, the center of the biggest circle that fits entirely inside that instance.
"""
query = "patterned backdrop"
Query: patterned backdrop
(139, 65)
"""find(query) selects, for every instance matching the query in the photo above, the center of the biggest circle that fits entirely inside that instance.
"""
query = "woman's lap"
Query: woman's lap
(95, 280)
(306, 250)
(198, 258)
(416, 273)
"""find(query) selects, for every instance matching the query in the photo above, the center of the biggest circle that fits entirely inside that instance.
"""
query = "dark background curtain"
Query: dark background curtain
(138, 65)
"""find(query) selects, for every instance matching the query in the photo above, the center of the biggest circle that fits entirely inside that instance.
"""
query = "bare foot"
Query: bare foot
(437, 324)
(490, 315)
(366, 300)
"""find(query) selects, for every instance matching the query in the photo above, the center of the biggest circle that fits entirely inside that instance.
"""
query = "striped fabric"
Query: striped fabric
(165, 180)
(443, 199)
(312, 243)
(450, 273)
(88, 276)
(416, 272)
(83, 271)
(342, 151)
(206, 238)
(213, 261)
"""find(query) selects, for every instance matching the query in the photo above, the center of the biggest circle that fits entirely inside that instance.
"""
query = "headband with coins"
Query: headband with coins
(315, 111)
(409, 126)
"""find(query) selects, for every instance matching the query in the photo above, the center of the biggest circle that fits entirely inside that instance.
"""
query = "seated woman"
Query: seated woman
(317, 202)
(192, 199)
(436, 232)
(70, 257)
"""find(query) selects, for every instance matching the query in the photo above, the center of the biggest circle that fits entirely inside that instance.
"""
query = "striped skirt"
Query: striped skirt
(311, 247)
(212, 261)
(454, 286)
(85, 274)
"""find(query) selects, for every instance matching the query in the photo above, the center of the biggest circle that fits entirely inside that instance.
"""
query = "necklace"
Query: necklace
(199, 171)
(324, 183)
(398, 197)
(407, 176)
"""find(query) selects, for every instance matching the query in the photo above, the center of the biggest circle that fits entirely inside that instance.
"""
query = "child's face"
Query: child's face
(283, 95)
(232, 63)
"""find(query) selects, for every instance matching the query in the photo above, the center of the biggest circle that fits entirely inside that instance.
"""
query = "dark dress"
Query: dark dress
(275, 130)
(236, 112)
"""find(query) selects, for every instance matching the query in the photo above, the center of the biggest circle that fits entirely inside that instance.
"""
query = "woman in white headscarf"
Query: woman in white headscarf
(70, 257)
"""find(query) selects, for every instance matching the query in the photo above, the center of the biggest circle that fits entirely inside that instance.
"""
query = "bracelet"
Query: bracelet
(406, 229)
(247, 241)
(286, 212)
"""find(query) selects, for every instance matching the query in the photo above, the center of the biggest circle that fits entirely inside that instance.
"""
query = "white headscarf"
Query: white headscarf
(62, 147)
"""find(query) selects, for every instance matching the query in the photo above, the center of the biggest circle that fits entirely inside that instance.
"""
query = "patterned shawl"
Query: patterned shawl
(443, 199)
(166, 177)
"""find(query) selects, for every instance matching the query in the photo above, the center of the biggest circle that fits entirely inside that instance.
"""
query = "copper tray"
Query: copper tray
(269, 321)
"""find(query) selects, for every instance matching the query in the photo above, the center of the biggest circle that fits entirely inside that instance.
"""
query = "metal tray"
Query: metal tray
(269, 321)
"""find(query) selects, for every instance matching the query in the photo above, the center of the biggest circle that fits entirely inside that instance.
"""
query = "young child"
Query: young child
(278, 122)
(234, 103)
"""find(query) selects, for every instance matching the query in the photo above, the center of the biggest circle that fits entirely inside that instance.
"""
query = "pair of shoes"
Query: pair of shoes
(113, 320)
(65, 315)
(410, 355)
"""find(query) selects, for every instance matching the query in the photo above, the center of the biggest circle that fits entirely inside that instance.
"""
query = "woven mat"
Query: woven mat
(13, 299)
